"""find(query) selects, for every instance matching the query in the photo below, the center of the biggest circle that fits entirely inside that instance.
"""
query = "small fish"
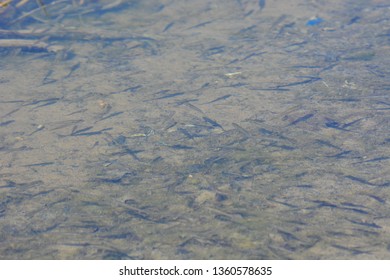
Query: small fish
(327, 143)
(366, 224)
(132, 89)
(47, 80)
(214, 51)
(6, 123)
(111, 115)
(186, 133)
(133, 153)
(201, 24)
(340, 155)
(219, 98)
(168, 26)
(39, 164)
(43, 102)
(181, 147)
(127, 235)
(181, 102)
(301, 119)
(322, 203)
(377, 198)
(193, 107)
(168, 96)
(252, 55)
(354, 251)
(137, 213)
(74, 131)
(73, 69)
(356, 210)
(242, 130)
(287, 236)
(351, 123)
(359, 180)
(307, 81)
(212, 122)
(84, 131)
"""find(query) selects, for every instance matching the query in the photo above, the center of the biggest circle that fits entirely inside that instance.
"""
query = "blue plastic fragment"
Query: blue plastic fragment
(261, 4)
(314, 21)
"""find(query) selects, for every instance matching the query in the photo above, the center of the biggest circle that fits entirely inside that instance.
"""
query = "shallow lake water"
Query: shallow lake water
(202, 129)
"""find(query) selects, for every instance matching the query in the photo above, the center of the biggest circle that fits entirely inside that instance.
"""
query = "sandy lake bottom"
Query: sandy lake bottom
(195, 130)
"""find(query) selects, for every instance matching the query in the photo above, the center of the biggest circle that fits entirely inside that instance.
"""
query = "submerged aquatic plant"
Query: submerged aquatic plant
(12, 11)
(10, 4)
(31, 24)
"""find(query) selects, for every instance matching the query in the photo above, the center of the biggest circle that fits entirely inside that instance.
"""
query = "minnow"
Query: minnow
(310, 80)
(212, 122)
(302, 119)
(168, 96)
(219, 98)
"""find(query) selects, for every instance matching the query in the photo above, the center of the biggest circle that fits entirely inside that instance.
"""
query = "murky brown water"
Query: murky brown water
(196, 130)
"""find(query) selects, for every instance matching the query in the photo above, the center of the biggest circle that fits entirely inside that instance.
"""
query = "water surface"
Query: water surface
(196, 130)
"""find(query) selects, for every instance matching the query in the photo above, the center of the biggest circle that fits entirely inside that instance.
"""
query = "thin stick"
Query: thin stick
(29, 44)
